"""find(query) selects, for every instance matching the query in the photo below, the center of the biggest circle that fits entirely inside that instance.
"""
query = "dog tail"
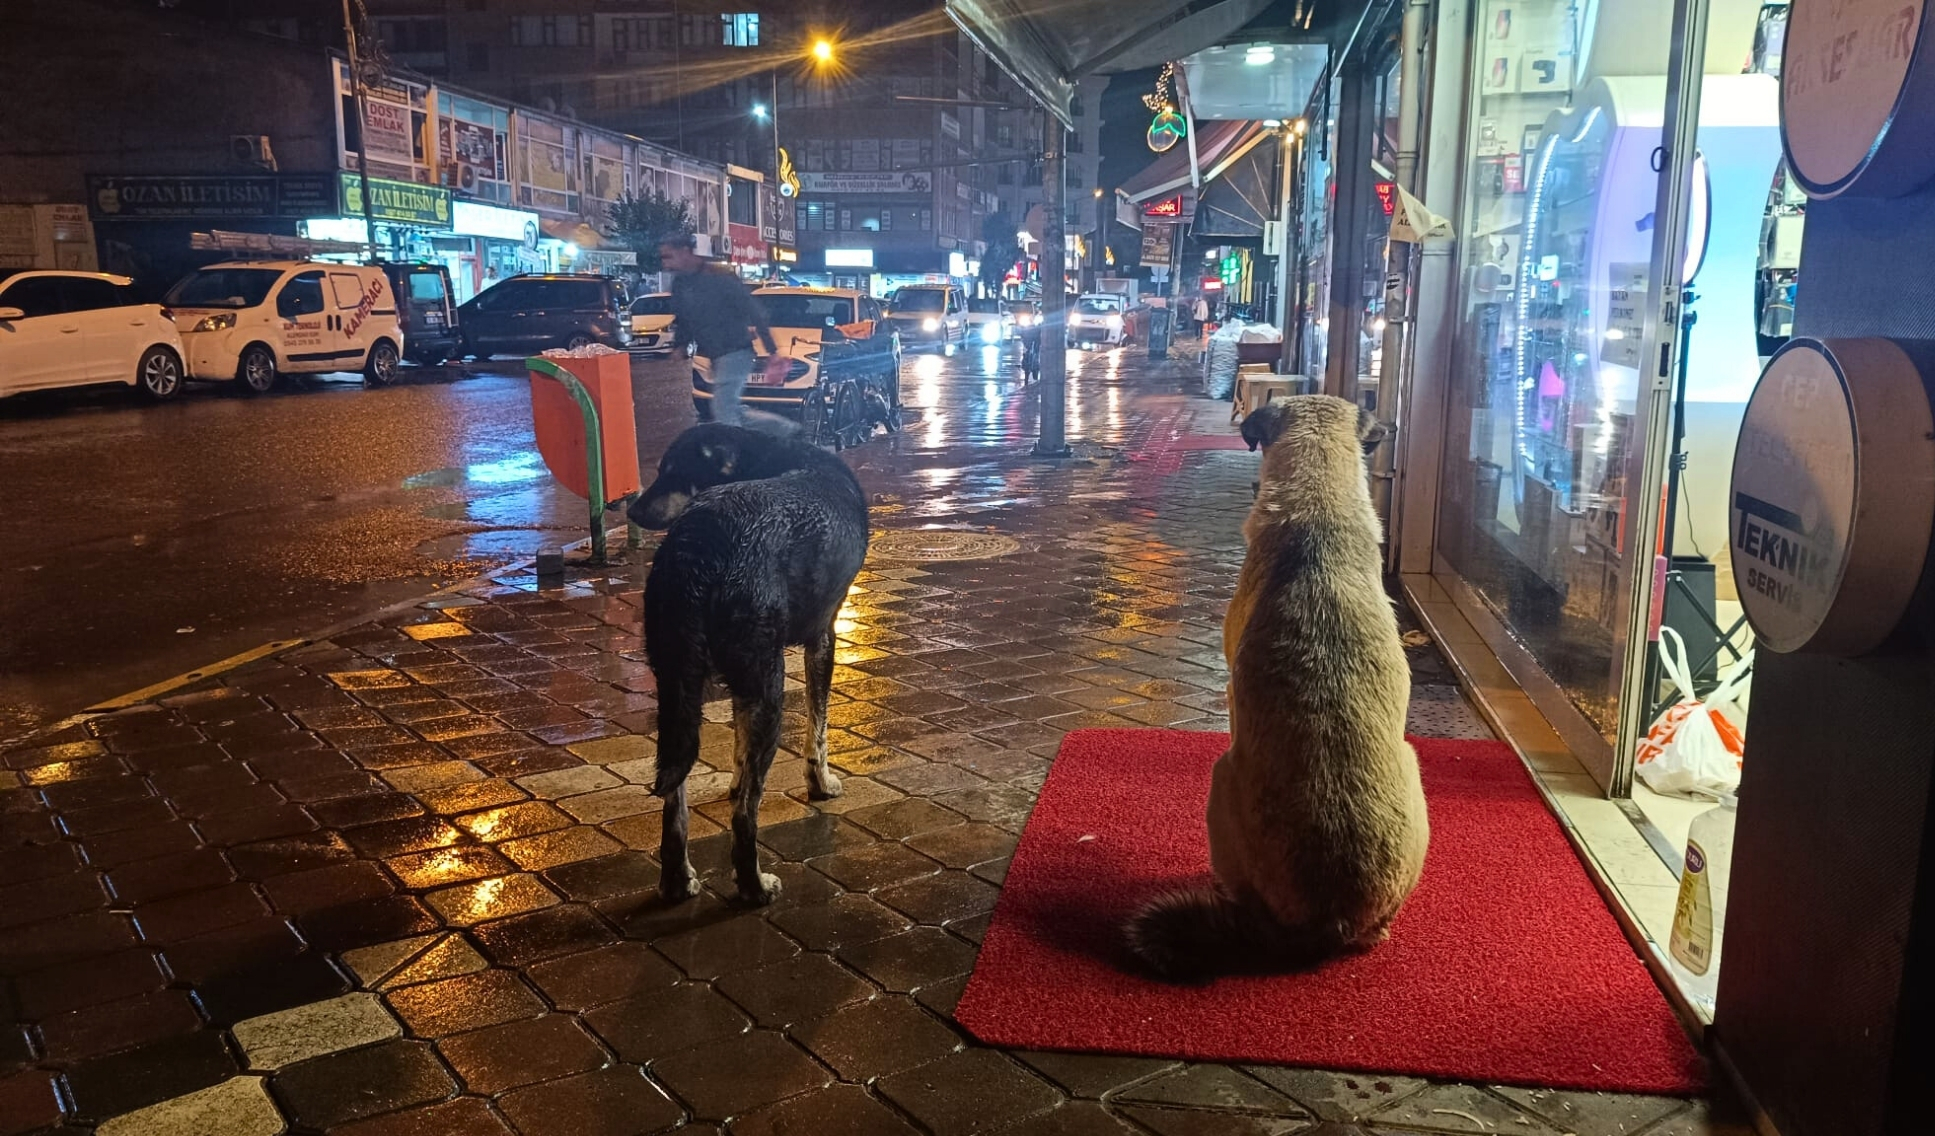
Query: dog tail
(1195, 935)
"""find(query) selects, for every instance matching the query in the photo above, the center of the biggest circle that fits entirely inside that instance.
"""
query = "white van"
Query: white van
(255, 321)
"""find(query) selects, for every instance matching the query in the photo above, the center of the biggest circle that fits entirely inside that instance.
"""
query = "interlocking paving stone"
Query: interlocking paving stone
(29, 1099)
(109, 1086)
(807, 986)
(845, 1109)
(975, 1090)
(526, 939)
(910, 960)
(617, 1101)
(608, 974)
(464, 1116)
(114, 1026)
(1340, 1096)
(1211, 1086)
(467, 1002)
(342, 1087)
(499, 897)
(1462, 1108)
(739, 1074)
(661, 1022)
(887, 1035)
(525, 1052)
(239, 1106)
(276, 1040)
(1181, 1122)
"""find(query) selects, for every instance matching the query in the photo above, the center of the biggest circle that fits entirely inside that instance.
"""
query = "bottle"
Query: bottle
(1699, 916)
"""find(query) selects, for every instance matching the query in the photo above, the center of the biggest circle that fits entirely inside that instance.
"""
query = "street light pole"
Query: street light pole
(1053, 442)
(362, 132)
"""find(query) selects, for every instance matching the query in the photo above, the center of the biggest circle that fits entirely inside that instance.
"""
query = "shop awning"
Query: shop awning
(1243, 194)
(1217, 145)
(572, 232)
(1048, 48)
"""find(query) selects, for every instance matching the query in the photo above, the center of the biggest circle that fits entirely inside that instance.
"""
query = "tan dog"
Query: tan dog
(1317, 826)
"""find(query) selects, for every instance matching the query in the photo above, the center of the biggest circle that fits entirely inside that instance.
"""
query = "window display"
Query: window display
(1559, 216)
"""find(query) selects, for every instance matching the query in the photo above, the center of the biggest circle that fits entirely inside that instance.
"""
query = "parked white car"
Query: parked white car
(70, 329)
(255, 321)
(1096, 319)
(652, 324)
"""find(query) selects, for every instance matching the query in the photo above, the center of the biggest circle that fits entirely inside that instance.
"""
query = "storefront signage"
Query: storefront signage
(387, 130)
(263, 195)
(1387, 195)
(849, 258)
(1857, 98)
(473, 145)
(1158, 244)
(1165, 130)
(402, 202)
(469, 219)
(1167, 207)
(1833, 495)
(897, 181)
(1626, 285)
(745, 245)
(784, 255)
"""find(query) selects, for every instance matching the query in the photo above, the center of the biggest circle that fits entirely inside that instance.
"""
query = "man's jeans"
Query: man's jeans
(729, 374)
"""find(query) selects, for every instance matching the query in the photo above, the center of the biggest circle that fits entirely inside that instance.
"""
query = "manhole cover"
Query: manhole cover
(941, 544)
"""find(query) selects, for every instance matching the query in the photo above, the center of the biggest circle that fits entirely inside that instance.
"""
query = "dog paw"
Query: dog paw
(676, 887)
(765, 891)
(824, 787)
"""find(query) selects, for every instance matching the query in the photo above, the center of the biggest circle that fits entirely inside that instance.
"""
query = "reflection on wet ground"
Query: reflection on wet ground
(145, 541)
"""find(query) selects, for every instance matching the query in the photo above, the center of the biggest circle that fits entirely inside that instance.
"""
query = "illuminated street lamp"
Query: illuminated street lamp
(823, 50)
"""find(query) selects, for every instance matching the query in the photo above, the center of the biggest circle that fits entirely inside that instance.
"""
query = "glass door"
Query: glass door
(1570, 219)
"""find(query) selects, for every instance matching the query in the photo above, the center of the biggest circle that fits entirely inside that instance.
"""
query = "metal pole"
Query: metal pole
(1286, 243)
(1053, 442)
(1349, 214)
(362, 132)
(1400, 263)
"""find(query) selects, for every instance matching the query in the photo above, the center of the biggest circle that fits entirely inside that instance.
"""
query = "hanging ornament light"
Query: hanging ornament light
(1167, 127)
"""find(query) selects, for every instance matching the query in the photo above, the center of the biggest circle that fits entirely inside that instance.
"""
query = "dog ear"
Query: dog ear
(1370, 432)
(1262, 426)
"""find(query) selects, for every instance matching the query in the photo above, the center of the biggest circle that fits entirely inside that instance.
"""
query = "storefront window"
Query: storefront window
(1543, 444)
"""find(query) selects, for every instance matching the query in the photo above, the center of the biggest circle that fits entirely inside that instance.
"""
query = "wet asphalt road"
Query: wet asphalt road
(144, 541)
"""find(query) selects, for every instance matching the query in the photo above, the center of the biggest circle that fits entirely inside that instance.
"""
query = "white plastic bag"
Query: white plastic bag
(1694, 748)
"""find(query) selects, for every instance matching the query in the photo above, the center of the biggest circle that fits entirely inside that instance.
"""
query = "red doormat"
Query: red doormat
(1504, 967)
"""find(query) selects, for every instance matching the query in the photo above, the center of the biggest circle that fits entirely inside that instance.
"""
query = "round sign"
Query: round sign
(1165, 130)
(1833, 495)
(1857, 99)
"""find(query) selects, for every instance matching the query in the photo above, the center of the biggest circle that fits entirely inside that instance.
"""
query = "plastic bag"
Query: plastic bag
(1695, 747)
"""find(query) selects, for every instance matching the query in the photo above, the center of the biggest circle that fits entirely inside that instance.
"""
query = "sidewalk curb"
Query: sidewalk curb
(275, 647)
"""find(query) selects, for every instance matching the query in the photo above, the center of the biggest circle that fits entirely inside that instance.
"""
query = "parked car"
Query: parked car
(534, 312)
(1096, 319)
(988, 321)
(826, 332)
(69, 329)
(255, 321)
(652, 324)
(933, 314)
(426, 310)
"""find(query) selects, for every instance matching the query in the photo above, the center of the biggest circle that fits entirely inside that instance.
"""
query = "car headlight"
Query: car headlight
(220, 322)
(1074, 318)
(930, 324)
(990, 331)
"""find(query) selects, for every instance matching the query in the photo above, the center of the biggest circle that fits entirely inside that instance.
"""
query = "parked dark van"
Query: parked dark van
(523, 314)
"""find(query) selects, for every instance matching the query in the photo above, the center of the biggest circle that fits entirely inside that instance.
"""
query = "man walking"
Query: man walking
(713, 309)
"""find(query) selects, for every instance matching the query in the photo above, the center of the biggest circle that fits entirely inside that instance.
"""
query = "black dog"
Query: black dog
(766, 536)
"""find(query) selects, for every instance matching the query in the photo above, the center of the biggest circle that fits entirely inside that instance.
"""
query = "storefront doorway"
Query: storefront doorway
(1617, 298)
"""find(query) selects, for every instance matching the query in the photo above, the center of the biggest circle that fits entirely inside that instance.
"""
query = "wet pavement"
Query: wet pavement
(143, 541)
(400, 880)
